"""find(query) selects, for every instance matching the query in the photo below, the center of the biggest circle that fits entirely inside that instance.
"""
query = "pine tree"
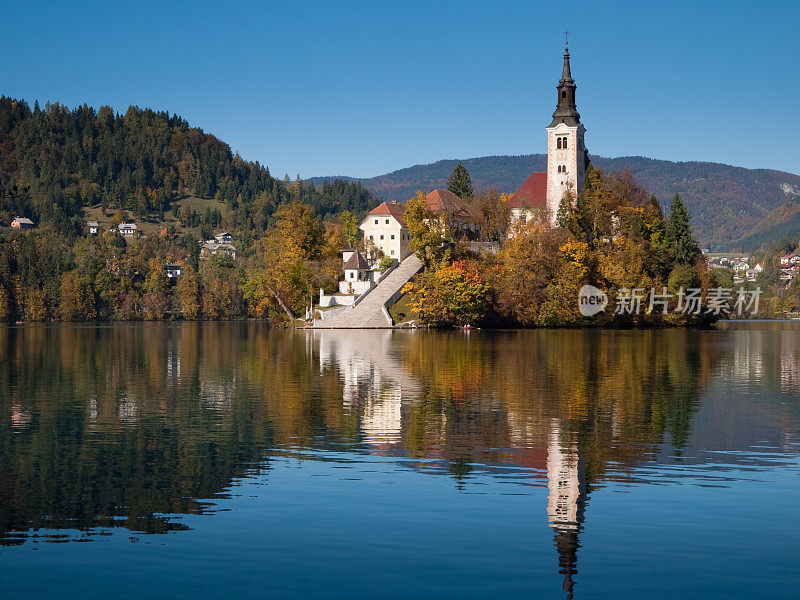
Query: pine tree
(679, 233)
(460, 183)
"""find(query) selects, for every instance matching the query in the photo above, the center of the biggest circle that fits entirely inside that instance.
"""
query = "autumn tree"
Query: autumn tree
(490, 212)
(528, 262)
(453, 294)
(216, 299)
(427, 235)
(35, 307)
(187, 295)
(76, 298)
(5, 304)
(349, 228)
(577, 266)
(288, 268)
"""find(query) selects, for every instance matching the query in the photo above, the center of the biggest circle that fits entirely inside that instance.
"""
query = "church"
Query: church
(567, 158)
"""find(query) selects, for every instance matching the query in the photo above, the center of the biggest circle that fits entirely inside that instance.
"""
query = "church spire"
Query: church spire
(566, 75)
(566, 110)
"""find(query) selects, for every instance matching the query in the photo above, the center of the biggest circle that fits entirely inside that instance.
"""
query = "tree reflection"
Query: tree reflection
(133, 426)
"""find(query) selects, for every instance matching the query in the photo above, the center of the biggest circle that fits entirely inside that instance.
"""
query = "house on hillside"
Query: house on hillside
(93, 227)
(128, 230)
(22, 223)
(451, 210)
(224, 238)
(212, 248)
(173, 271)
(386, 233)
(741, 266)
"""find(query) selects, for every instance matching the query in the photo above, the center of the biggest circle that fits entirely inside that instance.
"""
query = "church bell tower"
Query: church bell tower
(567, 156)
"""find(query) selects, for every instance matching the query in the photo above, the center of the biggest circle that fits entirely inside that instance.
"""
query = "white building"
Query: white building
(128, 229)
(173, 271)
(357, 279)
(385, 232)
(93, 227)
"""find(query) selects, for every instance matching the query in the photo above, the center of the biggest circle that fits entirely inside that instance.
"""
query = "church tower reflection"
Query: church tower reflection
(566, 482)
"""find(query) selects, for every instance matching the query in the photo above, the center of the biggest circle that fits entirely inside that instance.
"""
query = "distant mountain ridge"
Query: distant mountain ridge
(728, 204)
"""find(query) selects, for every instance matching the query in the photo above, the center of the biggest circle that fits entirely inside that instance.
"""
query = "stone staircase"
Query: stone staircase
(370, 312)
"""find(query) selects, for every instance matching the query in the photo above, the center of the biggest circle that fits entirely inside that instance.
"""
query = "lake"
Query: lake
(231, 460)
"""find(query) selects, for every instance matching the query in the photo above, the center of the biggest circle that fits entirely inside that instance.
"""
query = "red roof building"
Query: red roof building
(531, 194)
(395, 209)
(453, 208)
(385, 232)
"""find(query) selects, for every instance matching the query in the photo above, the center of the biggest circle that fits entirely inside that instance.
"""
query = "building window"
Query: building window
(381, 237)
(523, 217)
(391, 237)
(387, 221)
(376, 221)
(351, 274)
(371, 238)
(392, 253)
(558, 143)
(564, 143)
(559, 168)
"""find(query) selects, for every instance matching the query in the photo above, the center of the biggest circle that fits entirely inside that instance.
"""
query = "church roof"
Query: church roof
(532, 193)
(356, 261)
(395, 209)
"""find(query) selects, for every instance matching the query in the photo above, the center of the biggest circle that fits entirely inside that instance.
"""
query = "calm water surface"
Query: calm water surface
(228, 460)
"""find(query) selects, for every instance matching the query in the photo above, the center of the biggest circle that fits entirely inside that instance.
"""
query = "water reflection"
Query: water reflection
(135, 426)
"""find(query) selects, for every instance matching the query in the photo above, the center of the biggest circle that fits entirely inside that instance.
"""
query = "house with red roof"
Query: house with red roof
(22, 223)
(453, 212)
(386, 233)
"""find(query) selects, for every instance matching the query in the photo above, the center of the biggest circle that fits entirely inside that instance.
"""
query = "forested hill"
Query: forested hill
(54, 162)
(725, 202)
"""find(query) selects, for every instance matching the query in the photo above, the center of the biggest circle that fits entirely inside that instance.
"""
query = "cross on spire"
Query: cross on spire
(566, 38)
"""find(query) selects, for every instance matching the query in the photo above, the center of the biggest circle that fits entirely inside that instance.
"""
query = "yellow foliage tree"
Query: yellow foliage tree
(35, 308)
(76, 298)
(5, 304)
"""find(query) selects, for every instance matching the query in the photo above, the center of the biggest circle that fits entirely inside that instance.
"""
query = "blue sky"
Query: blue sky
(363, 88)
